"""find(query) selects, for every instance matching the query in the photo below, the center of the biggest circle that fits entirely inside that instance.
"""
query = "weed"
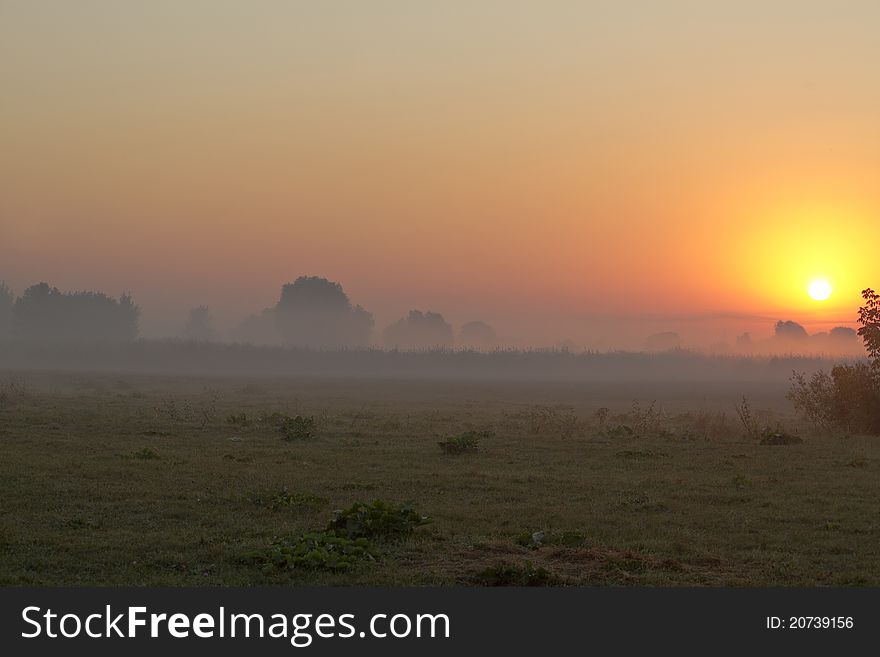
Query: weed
(512, 575)
(297, 427)
(559, 421)
(601, 416)
(316, 551)
(376, 520)
(468, 441)
(147, 454)
(646, 421)
(283, 498)
(238, 419)
(745, 415)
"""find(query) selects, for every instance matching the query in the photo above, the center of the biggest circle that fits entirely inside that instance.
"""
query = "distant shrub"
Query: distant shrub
(147, 454)
(297, 427)
(511, 575)
(316, 551)
(376, 520)
(469, 441)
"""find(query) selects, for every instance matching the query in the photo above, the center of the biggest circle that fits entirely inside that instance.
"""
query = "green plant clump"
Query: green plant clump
(467, 442)
(376, 520)
(283, 498)
(297, 427)
(317, 551)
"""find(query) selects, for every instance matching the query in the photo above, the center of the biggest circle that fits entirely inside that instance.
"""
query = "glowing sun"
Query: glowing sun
(819, 290)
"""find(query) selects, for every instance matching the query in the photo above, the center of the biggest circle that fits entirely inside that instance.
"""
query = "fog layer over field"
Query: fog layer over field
(44, 326)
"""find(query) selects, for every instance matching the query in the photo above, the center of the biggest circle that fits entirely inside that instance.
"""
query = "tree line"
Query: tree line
(45, 313)
(311, 312)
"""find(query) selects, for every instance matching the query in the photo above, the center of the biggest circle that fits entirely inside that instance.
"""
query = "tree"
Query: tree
(258, 329)
(869, 320)
(419, 330)
(7, 299)
(477, 334)
(316, 312)
(45, 313)
(843, 334)
(790, 330)
(200, 325)
(666, 341)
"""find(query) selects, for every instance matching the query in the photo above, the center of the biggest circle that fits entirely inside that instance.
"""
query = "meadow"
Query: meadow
(111, 479)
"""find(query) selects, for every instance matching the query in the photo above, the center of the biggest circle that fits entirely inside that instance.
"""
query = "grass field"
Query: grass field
(127, 480)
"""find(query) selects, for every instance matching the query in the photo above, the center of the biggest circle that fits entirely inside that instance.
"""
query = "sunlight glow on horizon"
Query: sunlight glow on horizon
(487, 161)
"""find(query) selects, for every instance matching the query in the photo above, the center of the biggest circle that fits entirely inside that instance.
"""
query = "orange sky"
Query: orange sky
(553, 167)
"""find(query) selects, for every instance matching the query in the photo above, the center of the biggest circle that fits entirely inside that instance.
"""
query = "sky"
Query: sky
(584, 170)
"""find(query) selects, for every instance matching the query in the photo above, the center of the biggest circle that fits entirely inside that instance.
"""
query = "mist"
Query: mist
(315, 329)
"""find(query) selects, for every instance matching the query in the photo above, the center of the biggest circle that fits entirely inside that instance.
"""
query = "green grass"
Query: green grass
(110, 480)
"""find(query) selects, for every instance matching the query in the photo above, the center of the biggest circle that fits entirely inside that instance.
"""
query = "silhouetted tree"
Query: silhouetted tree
(419, 330)
(7, 298)
(477, 334)
(790, 330)
(744, 341)
(258, 329)
(665, 341)
(869, 319)
(199, 325)
(843, 334)
(45, 313)
(315, 312)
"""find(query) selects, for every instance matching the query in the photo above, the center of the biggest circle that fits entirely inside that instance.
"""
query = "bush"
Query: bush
(294, 428)
(848, 399)
(376, 520)
(316, 551)
(468, 441)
